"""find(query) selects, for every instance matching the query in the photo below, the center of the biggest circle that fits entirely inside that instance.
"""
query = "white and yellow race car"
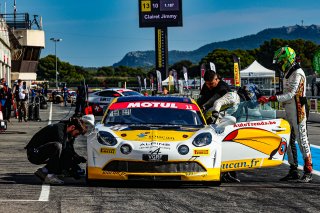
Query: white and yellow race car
(167, 139)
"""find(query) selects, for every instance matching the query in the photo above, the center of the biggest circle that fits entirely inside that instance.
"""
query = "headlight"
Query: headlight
(202, 139)
(106, 138)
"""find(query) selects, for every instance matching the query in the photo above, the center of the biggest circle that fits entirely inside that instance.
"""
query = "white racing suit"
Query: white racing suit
(228, 100)
(295, 104)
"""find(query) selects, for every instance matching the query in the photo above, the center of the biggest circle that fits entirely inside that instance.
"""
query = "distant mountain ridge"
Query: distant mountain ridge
(147, 58)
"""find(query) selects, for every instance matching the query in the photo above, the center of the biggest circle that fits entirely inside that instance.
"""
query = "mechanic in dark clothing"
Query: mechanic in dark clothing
(213, 89)
(53, 146)
(81, 100)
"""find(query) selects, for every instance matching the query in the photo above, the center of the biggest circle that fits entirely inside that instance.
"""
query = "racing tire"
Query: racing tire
(58, 100)
(43, 106)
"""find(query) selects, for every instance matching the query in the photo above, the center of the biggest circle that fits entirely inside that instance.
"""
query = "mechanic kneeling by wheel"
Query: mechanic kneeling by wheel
(53, 146)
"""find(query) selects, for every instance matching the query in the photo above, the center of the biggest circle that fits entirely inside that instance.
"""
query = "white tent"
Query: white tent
(256, 70)
(259, 75)
(166, 82)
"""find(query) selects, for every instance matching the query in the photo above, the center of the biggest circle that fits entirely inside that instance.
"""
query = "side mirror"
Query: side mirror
(89, 122)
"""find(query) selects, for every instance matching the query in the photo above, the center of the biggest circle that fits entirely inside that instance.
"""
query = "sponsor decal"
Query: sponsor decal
(160, 137)
(118, 127)
(153, 104)
(251, 124)
(203, 174)
(114, 173)
(151, 145)
(258, 139)
(241, 164)
(304, 138)
(107, 151)
(105, 100)
(155, 155)
(283, 147)
(201, 152)
(142, 135)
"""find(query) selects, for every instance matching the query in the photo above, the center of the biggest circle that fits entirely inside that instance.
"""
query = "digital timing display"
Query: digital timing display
(160, 13)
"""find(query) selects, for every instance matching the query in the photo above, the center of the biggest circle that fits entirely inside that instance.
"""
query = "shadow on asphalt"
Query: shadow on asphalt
(20, 178)
(9, 132)
(146, 184)
(31, 179)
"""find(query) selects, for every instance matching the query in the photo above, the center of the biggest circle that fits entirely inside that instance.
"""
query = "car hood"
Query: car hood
(148, 135)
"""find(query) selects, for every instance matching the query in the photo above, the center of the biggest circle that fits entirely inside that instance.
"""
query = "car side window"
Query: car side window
(106, 93)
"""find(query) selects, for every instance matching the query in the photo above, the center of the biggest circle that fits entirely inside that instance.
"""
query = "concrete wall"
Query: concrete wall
(32, 38)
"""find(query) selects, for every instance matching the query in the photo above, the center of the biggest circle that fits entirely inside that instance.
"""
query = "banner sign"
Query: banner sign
(236, 71)
(316, 62)
(159, 80)
(185, 75)
(212, 67)
(229, 81)
(203, 70)
(313, 105)
(160, 13)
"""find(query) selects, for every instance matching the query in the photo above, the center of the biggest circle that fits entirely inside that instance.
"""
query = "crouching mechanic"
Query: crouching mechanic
(53, 146)
(296, 108)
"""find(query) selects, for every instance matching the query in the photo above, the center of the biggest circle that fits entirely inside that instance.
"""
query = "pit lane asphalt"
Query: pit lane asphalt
(259, 190)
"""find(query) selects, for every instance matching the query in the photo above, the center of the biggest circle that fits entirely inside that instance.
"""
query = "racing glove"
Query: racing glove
(203, 109)
(215, 116)
(273, 98)
(263, 100)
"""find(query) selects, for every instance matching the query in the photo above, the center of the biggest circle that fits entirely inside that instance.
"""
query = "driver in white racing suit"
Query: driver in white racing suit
(295, 104)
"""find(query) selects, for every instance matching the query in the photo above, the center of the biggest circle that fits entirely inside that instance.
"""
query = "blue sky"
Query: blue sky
(100, 32)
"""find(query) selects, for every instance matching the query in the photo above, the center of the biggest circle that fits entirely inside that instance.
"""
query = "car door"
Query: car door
(254, 144)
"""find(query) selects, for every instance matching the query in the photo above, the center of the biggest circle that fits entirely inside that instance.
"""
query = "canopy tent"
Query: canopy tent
(168, 81)
(256, 70)
(259, 75)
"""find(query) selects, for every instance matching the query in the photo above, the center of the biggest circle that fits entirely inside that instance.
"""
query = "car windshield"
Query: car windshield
(252, 111)
(154, 116)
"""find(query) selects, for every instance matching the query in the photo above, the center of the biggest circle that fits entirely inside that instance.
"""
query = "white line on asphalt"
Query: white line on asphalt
(45, 192)
(315, 146)
(50, 114)
(45, 189)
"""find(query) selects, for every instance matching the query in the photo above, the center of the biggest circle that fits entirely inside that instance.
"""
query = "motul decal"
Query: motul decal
(151, 104)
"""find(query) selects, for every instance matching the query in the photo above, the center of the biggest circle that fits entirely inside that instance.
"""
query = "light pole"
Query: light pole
(55, 40)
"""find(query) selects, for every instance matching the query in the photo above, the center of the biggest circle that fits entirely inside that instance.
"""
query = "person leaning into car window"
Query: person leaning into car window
(48, 145)
(213, 89)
